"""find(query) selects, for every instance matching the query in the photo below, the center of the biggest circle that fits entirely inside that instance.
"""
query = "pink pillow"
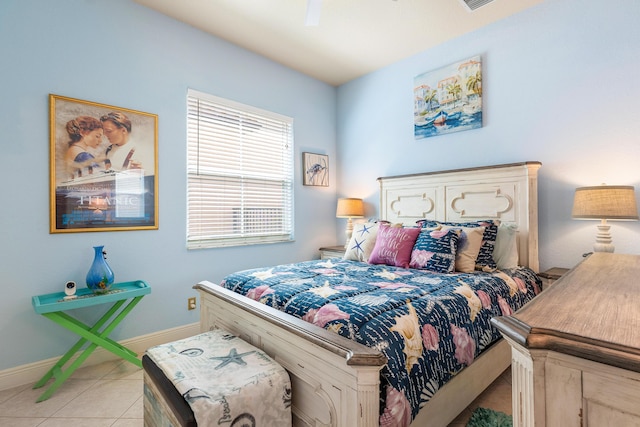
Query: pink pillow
(393, 246)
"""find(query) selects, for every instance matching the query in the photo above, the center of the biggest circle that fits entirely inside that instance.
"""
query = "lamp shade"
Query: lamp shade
(350, 208)
(605, 202)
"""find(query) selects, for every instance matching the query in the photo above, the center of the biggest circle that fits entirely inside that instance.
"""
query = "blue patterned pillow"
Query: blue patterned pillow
(485, 256)
(435, 250)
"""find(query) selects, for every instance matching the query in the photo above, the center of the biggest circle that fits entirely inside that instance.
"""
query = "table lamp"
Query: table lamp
(349, 208)
(615, 202)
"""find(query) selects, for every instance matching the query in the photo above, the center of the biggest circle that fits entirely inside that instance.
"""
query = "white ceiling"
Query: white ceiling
(353, 38)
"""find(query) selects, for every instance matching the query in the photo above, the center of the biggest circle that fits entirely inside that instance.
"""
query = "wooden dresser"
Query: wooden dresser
(576, 348)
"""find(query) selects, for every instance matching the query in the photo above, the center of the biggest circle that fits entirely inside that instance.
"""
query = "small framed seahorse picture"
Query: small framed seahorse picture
(315, 168)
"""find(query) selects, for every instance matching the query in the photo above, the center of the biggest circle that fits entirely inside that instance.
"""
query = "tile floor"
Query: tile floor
(110, 395)
(497, 397)
(104, 395)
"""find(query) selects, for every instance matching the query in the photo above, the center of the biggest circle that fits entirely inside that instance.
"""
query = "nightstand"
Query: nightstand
(551, 275)
(332, 252)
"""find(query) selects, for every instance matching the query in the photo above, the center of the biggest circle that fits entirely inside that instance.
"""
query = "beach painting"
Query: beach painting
(448, 99)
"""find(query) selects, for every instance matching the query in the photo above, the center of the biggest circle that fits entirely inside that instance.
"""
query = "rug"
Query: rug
(483, 417)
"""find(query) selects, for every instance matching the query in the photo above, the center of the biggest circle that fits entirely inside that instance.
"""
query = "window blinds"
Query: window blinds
(240, 174)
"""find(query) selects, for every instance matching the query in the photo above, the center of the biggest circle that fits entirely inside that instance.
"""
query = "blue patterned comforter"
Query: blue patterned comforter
(428, 325)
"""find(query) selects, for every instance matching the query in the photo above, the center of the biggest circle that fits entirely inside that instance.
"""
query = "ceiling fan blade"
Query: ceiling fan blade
(313, 13)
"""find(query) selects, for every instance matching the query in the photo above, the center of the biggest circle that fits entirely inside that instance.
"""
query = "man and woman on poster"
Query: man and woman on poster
(87, 153)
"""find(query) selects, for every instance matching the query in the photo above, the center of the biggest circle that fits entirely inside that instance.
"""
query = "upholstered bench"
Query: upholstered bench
(214, 378)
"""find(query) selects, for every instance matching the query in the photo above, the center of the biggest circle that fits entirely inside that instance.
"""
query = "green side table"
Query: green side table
(124, 296)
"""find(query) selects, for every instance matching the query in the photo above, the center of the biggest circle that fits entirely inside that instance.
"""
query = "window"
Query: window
(240, 174)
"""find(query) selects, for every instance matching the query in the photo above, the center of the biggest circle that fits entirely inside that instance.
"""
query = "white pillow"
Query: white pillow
(362, 241)
(505, 251)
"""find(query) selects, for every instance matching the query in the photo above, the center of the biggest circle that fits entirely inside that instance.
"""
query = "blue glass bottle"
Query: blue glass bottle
(100, 276)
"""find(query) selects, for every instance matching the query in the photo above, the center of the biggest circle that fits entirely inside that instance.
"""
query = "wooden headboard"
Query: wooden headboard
(507, 192)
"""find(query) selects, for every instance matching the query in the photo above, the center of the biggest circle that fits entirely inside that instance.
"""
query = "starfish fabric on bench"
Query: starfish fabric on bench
(226, 380)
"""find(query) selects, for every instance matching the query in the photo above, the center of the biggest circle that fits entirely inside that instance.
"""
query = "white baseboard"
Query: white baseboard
(32, 372)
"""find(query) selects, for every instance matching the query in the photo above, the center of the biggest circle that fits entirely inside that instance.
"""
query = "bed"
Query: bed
(337, 381)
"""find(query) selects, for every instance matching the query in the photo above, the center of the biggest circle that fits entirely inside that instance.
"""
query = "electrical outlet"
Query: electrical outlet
(191, 303)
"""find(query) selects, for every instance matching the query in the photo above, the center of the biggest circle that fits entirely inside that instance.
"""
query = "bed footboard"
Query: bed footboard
(335, 381)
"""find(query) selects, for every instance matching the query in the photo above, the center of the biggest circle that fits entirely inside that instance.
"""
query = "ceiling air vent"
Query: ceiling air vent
(474, 4)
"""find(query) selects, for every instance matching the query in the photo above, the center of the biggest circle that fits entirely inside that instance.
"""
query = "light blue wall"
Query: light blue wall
(119, 53)
(560, 86)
